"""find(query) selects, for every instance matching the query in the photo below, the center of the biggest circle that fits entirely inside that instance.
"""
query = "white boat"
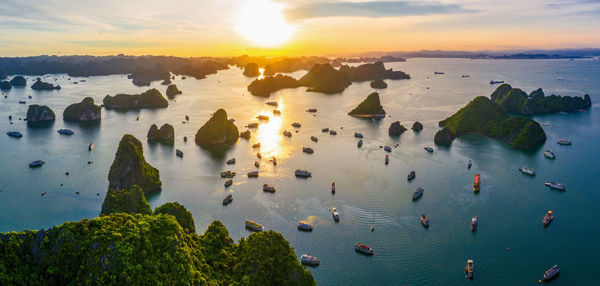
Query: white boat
(527, 171)
(309, 260)
(549, 154)
(474, 222)
(304, 225)
(335, 214)
(363, 248)
(564, 142)
(556, 186)
(469, 269)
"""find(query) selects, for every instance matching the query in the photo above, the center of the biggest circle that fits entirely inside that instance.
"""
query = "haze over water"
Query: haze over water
(510, 247)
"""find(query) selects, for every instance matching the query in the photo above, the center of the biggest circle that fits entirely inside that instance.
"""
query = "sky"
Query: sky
(292, 27)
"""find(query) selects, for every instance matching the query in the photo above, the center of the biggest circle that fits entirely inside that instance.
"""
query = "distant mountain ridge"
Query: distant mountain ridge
(492, 54)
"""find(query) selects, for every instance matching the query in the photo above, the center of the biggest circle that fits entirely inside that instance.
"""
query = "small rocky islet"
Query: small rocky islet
(370, 107)
(151, 98)
(218, 130)
(40, 85)
(84, 111)
(39, 115)
(164, 135)
(172, 91)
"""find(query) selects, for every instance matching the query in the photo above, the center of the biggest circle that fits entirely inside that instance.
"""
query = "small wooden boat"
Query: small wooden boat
(15, 134)
(287, 134)
(187, 118)
(411, 175)
(417, 193)
(424, 221)
(363, 248)
(179, 153)
(548, 218)
(469, 269)
(302, 173)
(253, 226)
(551, 273)
(332, 132)
(268, 188)
(527, 171)
(228, 183)
(304, 226)
(474, 222)
(276, 112)
(272, 103)
(325, 130)
(311, 110)
(556, 186)
(476, 183)
(256, 164)
(335, 214)
(296, 125)
(227, 199)
(230, 161)
(429, 149)
(333, 187)
(360, 143)
(387, 159)
(358, 135)
(256, 145)
(227, 174)
(549, 154)
(307, 150)
(65, 131)
(253, 174)
(314, 139)
(309, 260)
(564, 142)
(36, 163)
(91, 146)
(262, 117)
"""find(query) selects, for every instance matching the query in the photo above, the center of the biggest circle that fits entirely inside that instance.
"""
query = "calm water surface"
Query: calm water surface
(510, 246)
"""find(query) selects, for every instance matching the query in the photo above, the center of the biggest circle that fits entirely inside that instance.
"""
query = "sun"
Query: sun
(262, 23)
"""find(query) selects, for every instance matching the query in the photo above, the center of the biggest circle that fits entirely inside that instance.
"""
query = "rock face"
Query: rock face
(251, 70)
(325, 79)
(85, 111)
(396, 129)
(40, 115)
(378, 84)
(514, 100)
(130, 168)
(151, 98)
(482, 116)
(370, 107)
(5, 85)
(40, 85)
(417, 126)
(131, 201)
(164, 135)
(172, 91)
(18, 81)
(181, 214)
(372, 71)
(218, 130)
(142, 76)
(264, 87)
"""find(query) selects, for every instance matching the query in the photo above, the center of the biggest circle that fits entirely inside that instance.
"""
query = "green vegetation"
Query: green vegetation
(151, 98)
(131, 201)
(264, 87)
(482, 116)
(514, 100)
(172, 91)
(181, 214)
(217, 130)
(86, 110)
(325, 79)
(369, 107)
(130, 168)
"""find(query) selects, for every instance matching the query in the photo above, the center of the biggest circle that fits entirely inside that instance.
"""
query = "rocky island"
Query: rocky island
(130, 168)
(482, 116)
(251, 70)
(372, 71)
(396, 129)
(151, 98)
(378, 84)
(164, 135)
(5, 85)
(172, 91)
(143, 76)
(515, 100)
(85, 111)
(325, 79)
(264, 87)
(18, 81)
(218, 130)
(39, 115)
(369, 108)
(40, 85)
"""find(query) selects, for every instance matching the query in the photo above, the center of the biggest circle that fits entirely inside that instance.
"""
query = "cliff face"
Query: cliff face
(86, 110)
(130, 168)
(218, 130)
(172, 91)
(514, 100)
(39, 115)
(325, 79)
(165, 135)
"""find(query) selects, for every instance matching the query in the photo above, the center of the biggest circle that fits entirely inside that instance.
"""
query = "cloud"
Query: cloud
(372, 9)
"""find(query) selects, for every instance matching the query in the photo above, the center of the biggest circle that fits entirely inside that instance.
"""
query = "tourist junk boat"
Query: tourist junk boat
(325, 130)
(358, 135)
(551, 273)
(65, 131)
(387, 148)
(272, 103)
(36, 163)
(296, 124)
(527, 171)
(227, 174)
(563, 142)
(549, 154)
(307, 150)
(253, 174)
(548, 218)
(424, 220)
(287, 134)
(256, 164)
(309, 260)
(429, 149)
(469, 269)
(252, 125)
(360, 143)
(179, 153)
(302, 173)
(311, 110)
(230, 161)
(228, 183)
(474, 222)
(438, 72)
(258, 155)
(363, 248)
(256, 145)
(91, 146)
(411, 175)
(262, 117)
(335, 214)
(15, 134)
(268, 188)
(314, 139)
(417, 193)
(387, 159)
(476, 183)
(469, 164)
(496, 81)
(304, 226)
(333, 187)
(253, 226)
(227, 199)
(332, 132)
(556, 186)
(276, 112)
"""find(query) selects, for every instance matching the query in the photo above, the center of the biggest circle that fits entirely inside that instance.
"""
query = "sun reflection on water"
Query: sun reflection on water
(269, 134)
(262, 73)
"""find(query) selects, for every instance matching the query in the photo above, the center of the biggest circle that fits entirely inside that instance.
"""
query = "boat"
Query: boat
(227, 199)
(476, 183)
(268, 188)
(228, 183)
(333, 187)
(360, 143)
(258, 155)
(358, 135)
(387, 148)
(474, 222)
(325, 130)
(304, 225)
(252, 125)
(256, 145)
(91, 146)
(469, 164)
(363, 248)
(307, 150)
(551, 273)
(496, 81)
(387, 159)
(527, 171)
(556, 186)
(276, 112)
(332, 132)
(179, 153)
(469, 269)
(262, 117)
(22, 102)
(335, 214)
(302, 173)
(253, 226)
(438, 72)
(424, 220)
(274, 160)
(230, 161)
(411, 175)
(417, 193)
(253, 174)
(36, 163)
(138, 118)
(296, 124)
(187, 118)
(65, 131)
(287, 134)
(465, 75)
(311, 110)
(563, 142)
(549, 154)
(272, 103)
(15, 134)
(227, 174)
(429, 149)
(309, 260)
(256, 164)
(548, 218)
(314, 139)
(563, 113)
